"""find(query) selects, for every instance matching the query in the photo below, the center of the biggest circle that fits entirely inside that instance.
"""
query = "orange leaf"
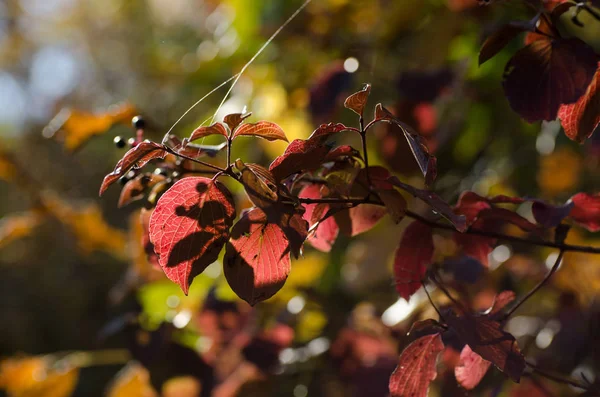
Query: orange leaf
(357, 101)
(262, 129)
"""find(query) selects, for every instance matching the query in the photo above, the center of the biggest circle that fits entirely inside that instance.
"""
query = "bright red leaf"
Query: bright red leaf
(413, 255)
(417, 367)
(189, 226)
(136, 157)
(257, 258)
(325, 130)
(501, 300)
(581, 118)
(327, 231)
(471, 368)
(215, 129)
(262, 129)
(586, 210)
(546, 74)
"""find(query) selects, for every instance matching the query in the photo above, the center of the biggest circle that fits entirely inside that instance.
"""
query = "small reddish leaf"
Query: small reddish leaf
(417, 367)
(471, 368)
(342, 151)
(435, 201)
(501, 300)
(486, 338)
(262, 129)
(196, 151)
(325, 130)
(477, 247)
(470, 204)
(359, 219)
(300, 155)
(134, 189)
(546, 74)
(256, 183)
(357, 101)
(215, 129)
(586, 210)
(327, 230)
(500, 38)
(235, 119)
(413, 255)
(257, 258)
(580, 119)
(189, 226)
(136, 157)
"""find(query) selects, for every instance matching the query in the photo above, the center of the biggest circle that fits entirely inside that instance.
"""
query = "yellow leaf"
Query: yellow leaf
(132, 381)
(16, 226)
(74, 127)
(34, 377)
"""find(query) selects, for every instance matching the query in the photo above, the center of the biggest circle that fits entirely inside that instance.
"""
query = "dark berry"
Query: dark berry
(119, 141)
(138, 122)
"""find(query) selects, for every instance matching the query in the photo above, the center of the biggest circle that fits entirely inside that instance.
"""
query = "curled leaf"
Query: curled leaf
(357, 101)
(586, 210)
(257, 258)
(416, 367)
(327, 230)
(215, 129)
(262, 129)
(136, 157)
(413, 255)
(235, 119)
(325, 130)
(189, 226)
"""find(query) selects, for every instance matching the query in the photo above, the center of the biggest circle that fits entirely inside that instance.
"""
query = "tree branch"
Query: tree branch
(183, 156)
(557, 378)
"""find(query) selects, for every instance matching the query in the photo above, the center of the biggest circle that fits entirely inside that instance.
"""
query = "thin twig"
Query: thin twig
(183, 156)
(537, 287)
(557, 378)
(431, 301)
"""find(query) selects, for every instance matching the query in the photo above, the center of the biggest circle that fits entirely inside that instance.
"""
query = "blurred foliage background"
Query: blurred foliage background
(73, 271)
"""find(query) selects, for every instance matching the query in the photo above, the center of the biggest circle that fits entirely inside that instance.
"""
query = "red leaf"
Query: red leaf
(477, 247)
(257, 258)
(500, 38)
(189, 226)
(581, 118)
(215, 129)
(471, 368)
(262, 129)
(470, 204)
(300, 155)
(505, 215)
(435, 201)
(413, 255)
(134, 189)
(546, 74)
(342, 151)
(235, 119)
(325, 130)
(501, 300)
(586, 210)
(416, 368)
(486, 338)
(136, 157)
(326, 232)
(359, 219)
(357, 101)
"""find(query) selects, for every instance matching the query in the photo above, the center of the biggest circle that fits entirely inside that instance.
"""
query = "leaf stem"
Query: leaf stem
(431, 301)
(183, 156)
(363, 138)
(557, 378)
(537, 287)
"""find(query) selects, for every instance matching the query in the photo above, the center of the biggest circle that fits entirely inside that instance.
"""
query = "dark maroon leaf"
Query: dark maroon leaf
(435, 201)
(500, 38)
(300, 155)
(417, 367)
(257, 258)
(134, 189)
(262, 129)
(486, 338)
(413, 255)
(136, 157)
(549, 215)
(189, 226)
(357, 101)
(342, 151)
(326, 130)
(546, 74)
(586, 210)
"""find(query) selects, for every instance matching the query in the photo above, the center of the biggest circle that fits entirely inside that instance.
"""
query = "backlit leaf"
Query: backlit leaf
(357, 101)
(327, 231)
(215, 129)
(74, 127)
(435, 201)
(134, 189)
(486, 338)
(359, 219)
(580, 119)
(136, 157)
(235, 119)
(546, 74)
(412, 257)
(189, 226)
(471, 368)
(300, 155)
(262, 129)
(261, 193)
(257, 258)
(586, 210)
(325, 130)
(501, 300)
(416, 367)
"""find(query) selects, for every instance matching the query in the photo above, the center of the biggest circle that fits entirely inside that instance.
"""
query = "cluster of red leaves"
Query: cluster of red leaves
(552, 76)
